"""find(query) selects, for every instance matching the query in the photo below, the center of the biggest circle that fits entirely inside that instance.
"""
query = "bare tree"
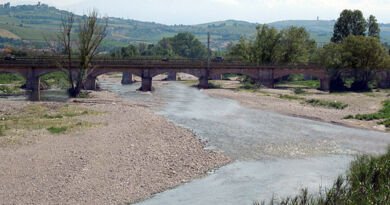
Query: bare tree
(82, 49)
(64, 38)
(90, 36)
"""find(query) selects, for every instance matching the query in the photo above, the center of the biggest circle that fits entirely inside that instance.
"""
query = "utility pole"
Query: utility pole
(208, 51)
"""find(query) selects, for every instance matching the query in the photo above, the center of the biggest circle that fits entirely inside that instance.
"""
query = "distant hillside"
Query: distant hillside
(30, 24)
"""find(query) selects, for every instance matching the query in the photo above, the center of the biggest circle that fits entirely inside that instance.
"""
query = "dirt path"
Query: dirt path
(135, 155)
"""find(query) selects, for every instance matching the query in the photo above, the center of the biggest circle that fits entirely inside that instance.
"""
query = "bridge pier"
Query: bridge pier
(146, 84)
(325, 84)
(203, 82)
(90, 83)
(171, 76)
(384, 80)
(33, 84)
(127, 78)
(266, 77)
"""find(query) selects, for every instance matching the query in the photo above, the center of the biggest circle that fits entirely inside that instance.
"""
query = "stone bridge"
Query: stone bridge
(33, 69)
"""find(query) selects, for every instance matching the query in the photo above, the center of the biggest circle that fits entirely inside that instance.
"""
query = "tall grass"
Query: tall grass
(366, 182)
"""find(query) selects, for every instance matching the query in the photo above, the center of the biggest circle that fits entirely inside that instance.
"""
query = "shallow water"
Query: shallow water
(51, 95)
(273, 154)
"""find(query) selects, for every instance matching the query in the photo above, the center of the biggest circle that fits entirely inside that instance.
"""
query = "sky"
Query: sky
(191, 12)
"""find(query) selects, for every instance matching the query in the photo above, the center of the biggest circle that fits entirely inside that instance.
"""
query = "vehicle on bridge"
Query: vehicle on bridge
(218, 59)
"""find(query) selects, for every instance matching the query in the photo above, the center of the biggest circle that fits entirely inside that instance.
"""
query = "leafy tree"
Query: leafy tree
(295, 46)
(241, 50)
(357, 56)
(373, 27)
(349, 23)
(265, 46)
(186, 45)
(365, 55)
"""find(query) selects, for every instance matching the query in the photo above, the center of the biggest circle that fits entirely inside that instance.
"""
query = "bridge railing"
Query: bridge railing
(192, 62)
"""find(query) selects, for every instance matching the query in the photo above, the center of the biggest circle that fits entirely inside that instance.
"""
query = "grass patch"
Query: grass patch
(56, 79)
(10, 78)
(314, 84)
(383, 114)
(367, 181)
(299, 91)
(55, 118)
(329, 104)
(57, 130)
(83, 95)
(6, 90)
(214, 85)
(290, 97)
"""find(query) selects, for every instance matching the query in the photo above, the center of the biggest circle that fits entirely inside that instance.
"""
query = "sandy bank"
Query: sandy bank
(268, 99)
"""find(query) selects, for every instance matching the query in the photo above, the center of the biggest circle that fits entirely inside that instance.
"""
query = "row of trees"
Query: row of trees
(183, 45)
(288, 46)
(355, 50)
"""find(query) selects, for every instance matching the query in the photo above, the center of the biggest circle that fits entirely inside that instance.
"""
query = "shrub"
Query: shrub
(290, 97)
(366, 182)
(57, 130)
(299, 91)
(329, 104)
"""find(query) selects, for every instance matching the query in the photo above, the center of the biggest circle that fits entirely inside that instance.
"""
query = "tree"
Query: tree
(357, 56)
(295, 46)
(186, 45)
(364, 55)
(373, 27)
(65, 41)
(349, 23)
(90, 35)
(241, 50)
(265, 46)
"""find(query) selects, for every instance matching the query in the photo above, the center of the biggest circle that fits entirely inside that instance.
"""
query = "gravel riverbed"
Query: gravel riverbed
(132, 155)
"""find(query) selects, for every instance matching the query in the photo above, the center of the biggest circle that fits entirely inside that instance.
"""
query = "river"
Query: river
(273, 154)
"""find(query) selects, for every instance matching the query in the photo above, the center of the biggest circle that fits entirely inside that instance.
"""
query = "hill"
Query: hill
(31, 24)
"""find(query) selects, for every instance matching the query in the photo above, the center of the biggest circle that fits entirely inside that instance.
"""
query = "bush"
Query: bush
(299, 91)
(329, 104)
(57, 130)
(384, 113)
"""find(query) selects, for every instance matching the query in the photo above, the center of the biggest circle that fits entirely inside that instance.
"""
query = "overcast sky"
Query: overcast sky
(202, 11)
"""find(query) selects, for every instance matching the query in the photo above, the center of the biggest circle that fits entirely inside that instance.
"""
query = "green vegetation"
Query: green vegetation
(9, 78)
(57, 130)
(181, 45)
(314, 84)
(214, 85)
(383, 115)
(299, 91)
(324, 103)
(15, 124)
(6, 90)
(288, 46)
(56, 79)
(290, 97)
(366, 182)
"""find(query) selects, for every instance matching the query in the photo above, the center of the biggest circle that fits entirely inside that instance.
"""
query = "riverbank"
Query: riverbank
(270, 99)
(131, 154)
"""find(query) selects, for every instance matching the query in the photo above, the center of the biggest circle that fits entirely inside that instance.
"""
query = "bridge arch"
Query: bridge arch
(194, 72)
(218, 72)
(318, 73)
